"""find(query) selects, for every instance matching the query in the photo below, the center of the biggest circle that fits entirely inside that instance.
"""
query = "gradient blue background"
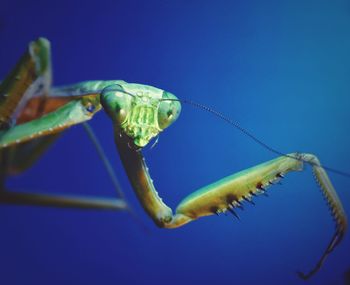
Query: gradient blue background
(281, 68)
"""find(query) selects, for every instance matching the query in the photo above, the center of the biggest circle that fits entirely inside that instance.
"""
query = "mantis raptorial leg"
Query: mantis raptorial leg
(138, 113)
(228, 193)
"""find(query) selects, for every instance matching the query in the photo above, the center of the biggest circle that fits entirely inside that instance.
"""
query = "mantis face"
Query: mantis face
(140, 111)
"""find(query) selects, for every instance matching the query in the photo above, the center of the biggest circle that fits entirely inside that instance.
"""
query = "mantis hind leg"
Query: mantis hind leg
(17, 158)
(36, 146)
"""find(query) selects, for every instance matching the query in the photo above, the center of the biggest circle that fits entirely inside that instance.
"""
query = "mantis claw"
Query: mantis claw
(233, 212)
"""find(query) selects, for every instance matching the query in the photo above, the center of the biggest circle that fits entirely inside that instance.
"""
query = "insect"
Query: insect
(33, 114)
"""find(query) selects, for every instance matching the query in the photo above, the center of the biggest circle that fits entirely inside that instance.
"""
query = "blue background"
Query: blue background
(280, 68)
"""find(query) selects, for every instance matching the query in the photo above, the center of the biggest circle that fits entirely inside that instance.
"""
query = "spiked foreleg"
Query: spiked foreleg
(141, 181)
(212, 199)
(231, 191)
(227, 193)
(217, 197)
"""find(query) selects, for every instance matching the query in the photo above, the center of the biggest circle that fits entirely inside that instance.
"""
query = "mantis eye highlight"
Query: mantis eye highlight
(170, 114)
(90, 108)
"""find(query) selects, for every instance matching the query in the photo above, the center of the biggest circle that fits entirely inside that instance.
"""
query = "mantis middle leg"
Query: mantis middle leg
(31, 120)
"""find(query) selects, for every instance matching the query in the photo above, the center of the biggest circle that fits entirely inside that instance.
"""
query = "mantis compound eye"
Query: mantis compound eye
(116, 102)
(169, 110)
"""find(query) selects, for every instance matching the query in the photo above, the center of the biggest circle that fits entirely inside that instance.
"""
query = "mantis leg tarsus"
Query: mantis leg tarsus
(336, 238)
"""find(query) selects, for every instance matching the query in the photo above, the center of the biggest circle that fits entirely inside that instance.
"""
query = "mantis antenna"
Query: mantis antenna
(250, 135)
(236, 125)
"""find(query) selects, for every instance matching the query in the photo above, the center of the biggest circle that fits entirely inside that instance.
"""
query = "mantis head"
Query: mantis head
(140, 111)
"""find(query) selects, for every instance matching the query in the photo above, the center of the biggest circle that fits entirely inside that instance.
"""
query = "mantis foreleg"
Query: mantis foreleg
(227, 193)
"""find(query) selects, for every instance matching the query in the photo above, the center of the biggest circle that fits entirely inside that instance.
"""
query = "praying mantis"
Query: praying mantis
(33, 114)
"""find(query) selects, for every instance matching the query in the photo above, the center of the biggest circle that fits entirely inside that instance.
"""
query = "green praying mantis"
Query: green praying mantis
(33, 114)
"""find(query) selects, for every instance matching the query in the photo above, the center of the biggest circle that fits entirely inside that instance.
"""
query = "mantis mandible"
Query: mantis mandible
(33, 114)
